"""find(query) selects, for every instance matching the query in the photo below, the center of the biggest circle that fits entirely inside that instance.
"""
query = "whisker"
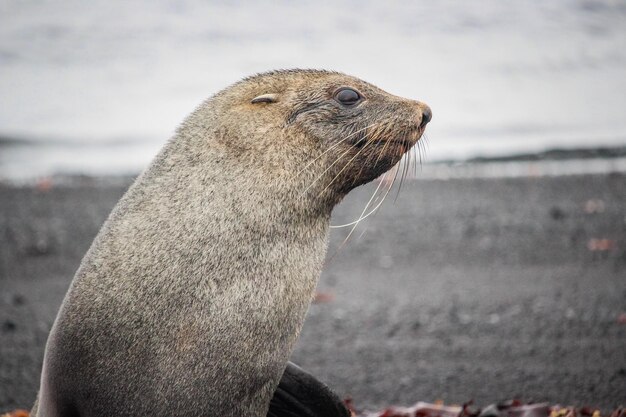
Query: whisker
(346, 166)
(382, 152)
(404, 171)
(401, 166)
(391, 186)
(418, 157)
(373, 138)
(393, 181)
(426, 141)
(362, 217)
(378, 134)
(332, 147)
(326, 170)
(424, 149)
(382, 180)
(410, 158)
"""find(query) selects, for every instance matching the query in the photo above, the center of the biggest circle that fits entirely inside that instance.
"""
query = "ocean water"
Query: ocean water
(97, 87)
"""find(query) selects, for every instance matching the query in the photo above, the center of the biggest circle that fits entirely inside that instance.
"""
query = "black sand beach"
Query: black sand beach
(483, 289)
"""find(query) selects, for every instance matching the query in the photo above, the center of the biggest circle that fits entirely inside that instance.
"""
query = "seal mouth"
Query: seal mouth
(395, 146)
(404, 144)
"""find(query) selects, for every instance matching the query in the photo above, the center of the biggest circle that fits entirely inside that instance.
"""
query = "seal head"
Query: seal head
(343, 129)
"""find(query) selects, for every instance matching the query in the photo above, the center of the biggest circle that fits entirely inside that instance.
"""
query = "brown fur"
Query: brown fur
(192, 295)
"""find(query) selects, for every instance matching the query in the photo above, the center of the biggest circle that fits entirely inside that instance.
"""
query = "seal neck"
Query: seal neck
(254, 190)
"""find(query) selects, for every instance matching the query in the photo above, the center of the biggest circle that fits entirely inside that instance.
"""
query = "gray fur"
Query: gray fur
(193, 293)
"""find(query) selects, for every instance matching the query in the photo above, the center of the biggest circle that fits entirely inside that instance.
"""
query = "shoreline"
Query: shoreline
(62, 161)
(480, 169)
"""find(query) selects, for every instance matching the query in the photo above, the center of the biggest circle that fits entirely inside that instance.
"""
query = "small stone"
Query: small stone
(556, 213)
(40, 248)
(18, 300)
(8, 326)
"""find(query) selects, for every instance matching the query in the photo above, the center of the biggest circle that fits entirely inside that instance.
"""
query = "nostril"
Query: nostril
(427, 115)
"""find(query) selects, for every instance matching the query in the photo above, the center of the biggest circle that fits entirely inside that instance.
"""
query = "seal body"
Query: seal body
(193, 293)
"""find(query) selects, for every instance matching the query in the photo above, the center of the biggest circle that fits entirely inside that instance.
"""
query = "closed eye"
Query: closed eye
(265, 98)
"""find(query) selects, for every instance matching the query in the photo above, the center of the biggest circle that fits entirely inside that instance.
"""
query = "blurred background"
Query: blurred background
(498, 273)
(97, 87)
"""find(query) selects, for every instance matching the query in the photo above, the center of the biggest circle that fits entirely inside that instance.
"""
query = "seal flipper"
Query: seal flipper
(300, 394)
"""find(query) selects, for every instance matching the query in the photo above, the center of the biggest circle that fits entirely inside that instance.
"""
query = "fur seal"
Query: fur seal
(192, 295)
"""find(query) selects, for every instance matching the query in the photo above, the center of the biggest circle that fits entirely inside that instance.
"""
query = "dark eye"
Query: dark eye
(347, 96)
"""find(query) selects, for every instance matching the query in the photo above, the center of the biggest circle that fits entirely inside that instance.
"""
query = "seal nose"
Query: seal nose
(427, 115)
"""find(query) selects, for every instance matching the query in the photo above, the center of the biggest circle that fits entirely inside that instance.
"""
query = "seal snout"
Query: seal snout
(427, 115)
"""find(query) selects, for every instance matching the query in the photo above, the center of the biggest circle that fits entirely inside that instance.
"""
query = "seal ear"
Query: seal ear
(265, 98)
